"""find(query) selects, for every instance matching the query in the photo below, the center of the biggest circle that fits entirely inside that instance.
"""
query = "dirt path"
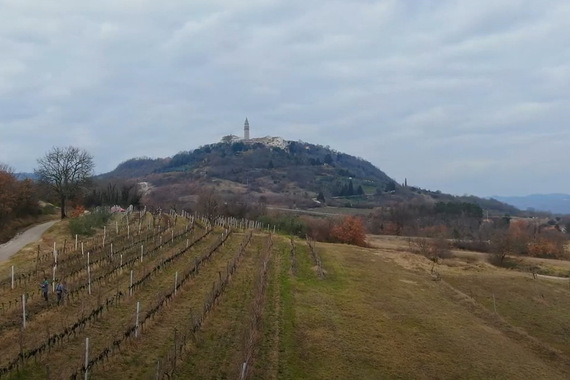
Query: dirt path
(552, 277)
(21, 240)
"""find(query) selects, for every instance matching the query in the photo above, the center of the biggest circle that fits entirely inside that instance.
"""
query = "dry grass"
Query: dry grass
(378, 314)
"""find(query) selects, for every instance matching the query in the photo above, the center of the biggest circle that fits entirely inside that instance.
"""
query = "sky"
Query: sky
(466, 97)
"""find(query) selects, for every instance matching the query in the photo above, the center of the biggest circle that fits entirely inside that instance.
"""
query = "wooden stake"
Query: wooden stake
(157, 377)
(175, 350)
(175, 282)
(137, 319)
(88, 273)
(38, 258)
(23, 311)
(86, 358)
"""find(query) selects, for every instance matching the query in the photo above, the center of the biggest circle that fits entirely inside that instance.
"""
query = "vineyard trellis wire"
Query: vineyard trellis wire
(168, 361)
(216, 291)
(98, 311)
(251, 338)
(109, 268)
(114, 269)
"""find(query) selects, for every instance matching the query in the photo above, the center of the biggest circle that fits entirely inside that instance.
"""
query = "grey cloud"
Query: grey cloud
(452, 95)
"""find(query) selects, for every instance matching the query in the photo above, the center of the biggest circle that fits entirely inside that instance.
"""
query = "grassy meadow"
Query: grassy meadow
(377, 313)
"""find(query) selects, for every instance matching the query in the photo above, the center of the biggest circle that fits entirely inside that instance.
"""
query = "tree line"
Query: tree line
(18, 202)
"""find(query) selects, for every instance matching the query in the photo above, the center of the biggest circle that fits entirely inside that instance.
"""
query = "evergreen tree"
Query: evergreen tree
(350, 190)
(391, 186)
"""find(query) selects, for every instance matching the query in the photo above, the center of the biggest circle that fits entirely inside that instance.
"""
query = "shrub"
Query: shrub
(350, 230)
(318, 229)
(548, 245)
(472, 245)
(49, 209)
(432, 248)
(77, 211)
(288, 224)
(85, 224)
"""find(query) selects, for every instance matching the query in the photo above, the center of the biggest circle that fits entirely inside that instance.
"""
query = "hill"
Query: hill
(283, 172)
(136, 167)
(554, 203)
(291, 174)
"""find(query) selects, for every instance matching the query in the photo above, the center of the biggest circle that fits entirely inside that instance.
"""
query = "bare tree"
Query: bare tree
(209, 204)
(66, 171)
(503, 243)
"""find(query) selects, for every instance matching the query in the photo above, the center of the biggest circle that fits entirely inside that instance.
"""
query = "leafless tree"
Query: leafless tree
(503, 243)
(6, 169)
(209, 204)
(66, 171)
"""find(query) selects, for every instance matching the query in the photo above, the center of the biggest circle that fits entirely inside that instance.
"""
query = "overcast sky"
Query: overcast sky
(466, 97)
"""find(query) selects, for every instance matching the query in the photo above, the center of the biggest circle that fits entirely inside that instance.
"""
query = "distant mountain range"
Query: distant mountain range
(22, 176)
(554, 203)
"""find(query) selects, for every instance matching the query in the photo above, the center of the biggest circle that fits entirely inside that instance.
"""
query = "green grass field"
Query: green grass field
(376, 314)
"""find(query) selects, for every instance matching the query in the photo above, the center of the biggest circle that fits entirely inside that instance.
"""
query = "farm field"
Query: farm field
(253, 305)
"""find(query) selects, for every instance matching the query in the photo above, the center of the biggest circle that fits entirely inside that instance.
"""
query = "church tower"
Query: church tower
(246, 130)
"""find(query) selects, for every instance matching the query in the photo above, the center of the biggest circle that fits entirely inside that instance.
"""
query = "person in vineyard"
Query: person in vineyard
(44, 286)
(59, 291)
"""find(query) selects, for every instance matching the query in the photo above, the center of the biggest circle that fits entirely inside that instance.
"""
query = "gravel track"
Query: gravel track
(30, 235)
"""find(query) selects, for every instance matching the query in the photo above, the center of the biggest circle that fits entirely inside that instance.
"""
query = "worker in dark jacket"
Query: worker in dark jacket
(59, 291)
(44, 286)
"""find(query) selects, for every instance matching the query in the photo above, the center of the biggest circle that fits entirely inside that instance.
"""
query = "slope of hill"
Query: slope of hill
(136, 167)
(555, 203)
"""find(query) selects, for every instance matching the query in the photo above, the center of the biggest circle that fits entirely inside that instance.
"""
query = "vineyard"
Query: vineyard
(173, 296)
(137, 298)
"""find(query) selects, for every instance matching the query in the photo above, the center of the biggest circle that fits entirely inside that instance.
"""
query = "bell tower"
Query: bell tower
(246, 130)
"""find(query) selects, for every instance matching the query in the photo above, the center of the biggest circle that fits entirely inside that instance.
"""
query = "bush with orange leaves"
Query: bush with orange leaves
(350, 230)
(549, 245)
(77, 211)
